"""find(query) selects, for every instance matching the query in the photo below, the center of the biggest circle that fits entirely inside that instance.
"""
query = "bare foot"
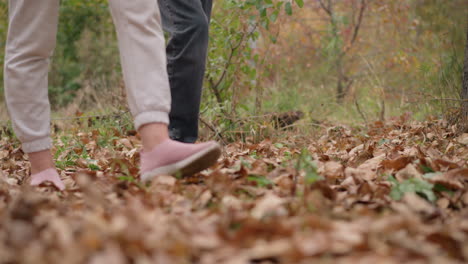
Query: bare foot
(43, 169)
(41, 161)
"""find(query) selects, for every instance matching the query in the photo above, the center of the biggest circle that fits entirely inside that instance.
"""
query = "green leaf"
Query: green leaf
(413, 185)
(279, 145)
(426, 169)
(288, 8)
(261, 181)
(431, 175)
(300, 3)
(273, 39)
(274, 16)
(126, 178)
(383, 141)
(441, 188)
(306, 164)
(263, 12)
(94, 167)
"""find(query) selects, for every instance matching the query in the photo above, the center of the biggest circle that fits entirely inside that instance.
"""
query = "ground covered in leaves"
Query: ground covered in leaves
(393, 192)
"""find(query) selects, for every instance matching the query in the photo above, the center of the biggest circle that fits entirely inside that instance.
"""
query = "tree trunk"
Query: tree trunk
(464, 93)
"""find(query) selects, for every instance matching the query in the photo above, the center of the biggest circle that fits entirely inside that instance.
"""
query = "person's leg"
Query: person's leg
(141, 44)
(143, 59)
(207, 7)
(31, 40)
(187, 22)
(152, 135)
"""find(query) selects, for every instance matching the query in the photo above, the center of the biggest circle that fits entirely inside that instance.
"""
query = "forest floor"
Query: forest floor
(388, 192)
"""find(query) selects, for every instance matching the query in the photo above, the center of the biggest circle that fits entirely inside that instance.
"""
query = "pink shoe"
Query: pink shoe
(49, 175)
(172, 157)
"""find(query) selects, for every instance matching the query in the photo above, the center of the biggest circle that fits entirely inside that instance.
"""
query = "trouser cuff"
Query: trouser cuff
(151, 117)
(37, 145)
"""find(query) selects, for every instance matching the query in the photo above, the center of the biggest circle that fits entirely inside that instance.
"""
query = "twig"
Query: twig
(214, 130)
(360, 111)
(89, 116)
(214, 86)
(327, 9)
(382, 111)
(449, 99)
(298, 124)
(80, 117)
(357, 26)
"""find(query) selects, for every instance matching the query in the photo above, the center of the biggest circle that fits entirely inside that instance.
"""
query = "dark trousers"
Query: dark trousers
(187, 22)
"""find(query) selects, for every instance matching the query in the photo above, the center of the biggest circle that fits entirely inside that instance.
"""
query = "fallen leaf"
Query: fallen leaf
(269, 204)
(396, 164)
(333, 169)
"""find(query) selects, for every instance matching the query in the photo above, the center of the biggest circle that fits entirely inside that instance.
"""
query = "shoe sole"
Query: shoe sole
(189, 166)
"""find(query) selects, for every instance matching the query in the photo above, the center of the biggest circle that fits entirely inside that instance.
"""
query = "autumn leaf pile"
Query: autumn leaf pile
(390, 192)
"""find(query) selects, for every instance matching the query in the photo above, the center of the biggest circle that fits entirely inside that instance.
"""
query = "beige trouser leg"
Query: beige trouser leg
(31, 41)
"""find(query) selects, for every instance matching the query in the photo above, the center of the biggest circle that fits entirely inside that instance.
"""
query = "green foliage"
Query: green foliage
(233, 66)
(437, 187)
(414, 65)
(413, 185)
(308, 166)
(260, 180)
(300, 3)
(71, 150)
(73, 62)
(85, 51)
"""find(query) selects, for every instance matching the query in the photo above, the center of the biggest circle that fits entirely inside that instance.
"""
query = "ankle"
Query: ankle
(152, 135)
(41, 161)
(38, 169)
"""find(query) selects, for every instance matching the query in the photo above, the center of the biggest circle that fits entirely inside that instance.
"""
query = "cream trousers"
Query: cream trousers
(30, 44)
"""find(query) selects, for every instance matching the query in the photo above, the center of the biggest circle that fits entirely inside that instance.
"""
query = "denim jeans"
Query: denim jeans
(187, 22)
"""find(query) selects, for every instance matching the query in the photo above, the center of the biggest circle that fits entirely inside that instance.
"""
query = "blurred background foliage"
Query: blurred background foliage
(333, 60)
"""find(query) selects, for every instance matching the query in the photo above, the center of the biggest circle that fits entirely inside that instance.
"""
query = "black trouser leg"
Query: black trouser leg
(187, 22)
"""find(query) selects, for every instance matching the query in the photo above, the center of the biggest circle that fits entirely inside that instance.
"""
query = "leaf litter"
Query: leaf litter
(392, 192)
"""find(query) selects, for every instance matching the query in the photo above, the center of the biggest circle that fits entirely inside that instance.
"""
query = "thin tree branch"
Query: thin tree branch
(215, 91)
(358, 107)
(324, 7)
(231, 56)
(357, 26)
(217, 133)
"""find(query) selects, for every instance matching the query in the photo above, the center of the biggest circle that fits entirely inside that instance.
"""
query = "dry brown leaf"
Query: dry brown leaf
(408, 172)
(270, 204)
(418, 204)
(204, 199)
(112, 254)
(265, 250)
(396, 164)
(360, 174)
(463, 139)
(125, 142)
(219, 216)
(324, 188)
(165, 180)
(333, 169)
(231, 202)
(461, 174)
(206, 241)
(451, 179)
(312, 244)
